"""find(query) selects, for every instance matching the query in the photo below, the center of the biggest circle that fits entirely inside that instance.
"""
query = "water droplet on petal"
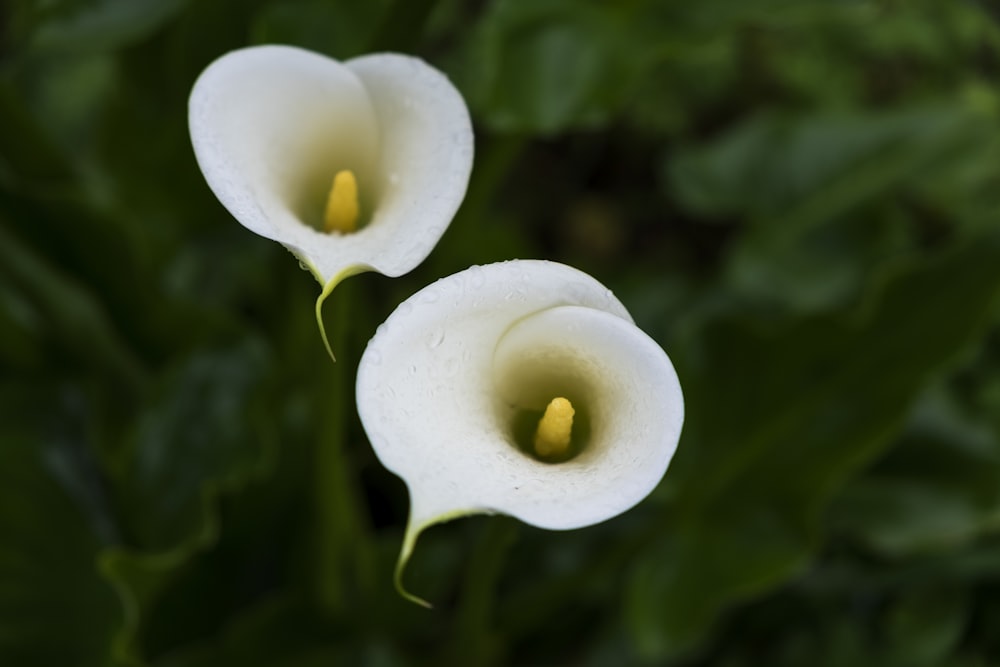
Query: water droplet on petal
(477, 277)
(436, 338)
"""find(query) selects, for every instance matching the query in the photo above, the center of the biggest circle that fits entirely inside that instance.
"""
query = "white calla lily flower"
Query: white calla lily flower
(354, 166)
(521, 388)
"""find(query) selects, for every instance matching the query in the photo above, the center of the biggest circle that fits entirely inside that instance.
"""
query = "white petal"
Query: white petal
(425, 161)
(635, 408)
(271, 125)
(440, 383)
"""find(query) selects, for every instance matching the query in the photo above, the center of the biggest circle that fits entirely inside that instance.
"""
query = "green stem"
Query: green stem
(475, 641)
(344, 545)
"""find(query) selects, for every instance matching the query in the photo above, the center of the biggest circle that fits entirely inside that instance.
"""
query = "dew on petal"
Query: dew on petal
(436, 338)
(429, 296)
(477, 277)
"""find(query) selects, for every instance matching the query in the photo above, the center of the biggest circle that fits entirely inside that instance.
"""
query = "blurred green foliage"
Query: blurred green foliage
(799, 199)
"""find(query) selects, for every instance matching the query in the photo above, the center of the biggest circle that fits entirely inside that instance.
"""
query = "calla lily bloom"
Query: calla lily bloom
(354, 166)
(521, 388)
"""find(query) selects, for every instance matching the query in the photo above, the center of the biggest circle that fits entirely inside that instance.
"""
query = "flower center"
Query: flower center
(555, 428)
(554, 433)
(342, 208)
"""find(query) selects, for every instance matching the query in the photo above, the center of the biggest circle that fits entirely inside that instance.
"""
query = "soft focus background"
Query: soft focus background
(799, 199)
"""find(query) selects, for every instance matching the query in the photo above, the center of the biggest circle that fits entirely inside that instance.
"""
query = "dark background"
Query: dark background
(798, 199)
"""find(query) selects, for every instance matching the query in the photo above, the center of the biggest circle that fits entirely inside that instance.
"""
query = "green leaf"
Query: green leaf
(828, 197)
(86, 26)
(285, 631)
(26, 149)
(71, 313)
(793, 172)
(937, 490)
(924, 625)
(340, 29)
(819, 269)
(207, 433)
(206, 425)
(547, 66)
(778, 418)
(54, 607)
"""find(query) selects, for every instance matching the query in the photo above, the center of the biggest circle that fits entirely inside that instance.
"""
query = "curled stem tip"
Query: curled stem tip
(413, 530)
(327, 290)
(412, 533)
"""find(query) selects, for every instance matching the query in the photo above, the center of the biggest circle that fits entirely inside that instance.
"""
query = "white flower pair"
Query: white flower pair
(521, 388)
